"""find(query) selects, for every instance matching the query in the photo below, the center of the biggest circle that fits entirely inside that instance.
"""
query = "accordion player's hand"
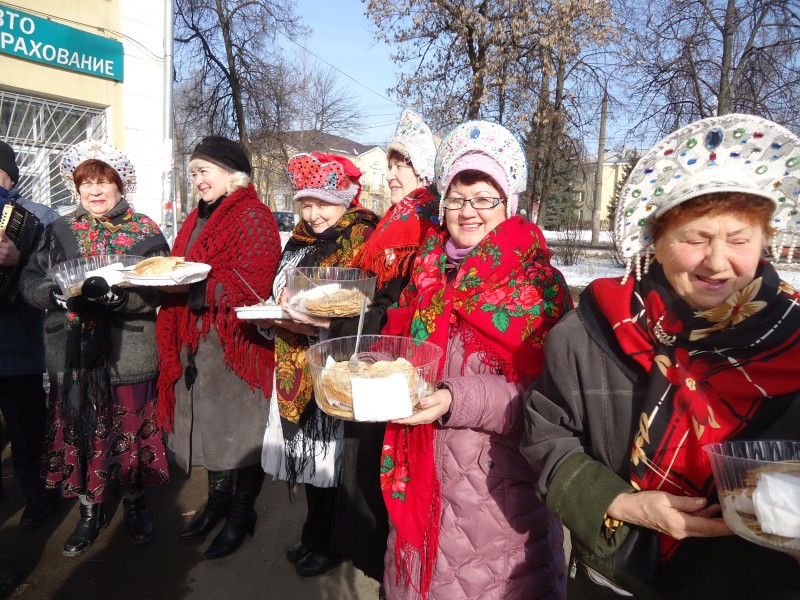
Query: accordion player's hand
(9, 255)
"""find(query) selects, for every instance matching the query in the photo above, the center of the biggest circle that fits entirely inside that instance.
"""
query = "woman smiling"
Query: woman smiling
(698, 343)
(464, 517)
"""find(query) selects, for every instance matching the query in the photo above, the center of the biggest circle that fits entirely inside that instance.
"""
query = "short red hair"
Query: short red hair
(754, 210)
(98, 171)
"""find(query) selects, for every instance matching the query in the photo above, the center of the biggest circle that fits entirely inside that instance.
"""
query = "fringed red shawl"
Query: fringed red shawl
(713, 373)
(240, 234)
(399, 234)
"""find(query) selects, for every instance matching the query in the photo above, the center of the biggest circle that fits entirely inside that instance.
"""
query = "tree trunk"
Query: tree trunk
(725, 79)
(235, 83)
(598, 173)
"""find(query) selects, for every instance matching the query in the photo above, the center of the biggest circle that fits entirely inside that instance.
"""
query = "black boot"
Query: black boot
(93, 519)
(137, 518)
(220, 494)
(242, 518)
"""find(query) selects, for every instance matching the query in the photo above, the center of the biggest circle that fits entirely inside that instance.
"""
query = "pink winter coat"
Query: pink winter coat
(496, 539)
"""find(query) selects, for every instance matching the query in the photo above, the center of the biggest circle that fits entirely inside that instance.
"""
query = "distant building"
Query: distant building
(273, 186)
(615, 168)
(94, 69)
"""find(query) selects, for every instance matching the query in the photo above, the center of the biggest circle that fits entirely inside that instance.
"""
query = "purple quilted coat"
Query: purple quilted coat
(497, 539)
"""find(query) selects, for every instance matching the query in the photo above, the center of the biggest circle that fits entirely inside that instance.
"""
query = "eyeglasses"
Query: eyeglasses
(482, 203)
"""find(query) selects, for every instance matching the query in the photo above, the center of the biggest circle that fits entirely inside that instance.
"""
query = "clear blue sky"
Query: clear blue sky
(343, 37)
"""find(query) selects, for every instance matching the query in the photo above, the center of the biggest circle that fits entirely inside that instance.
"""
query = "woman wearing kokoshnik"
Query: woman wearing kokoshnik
(102, 436)
(301, 443)
(362, 524)
(698, 343)
(464, 517)
(216, 371)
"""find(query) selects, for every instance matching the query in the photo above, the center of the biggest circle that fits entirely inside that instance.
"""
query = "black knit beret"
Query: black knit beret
(8, 162)
(223, 152)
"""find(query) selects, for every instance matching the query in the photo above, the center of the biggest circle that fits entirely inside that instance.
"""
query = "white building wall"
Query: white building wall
(147, 141)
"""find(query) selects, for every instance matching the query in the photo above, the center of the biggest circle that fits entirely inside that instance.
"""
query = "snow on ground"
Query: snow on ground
(597, 264)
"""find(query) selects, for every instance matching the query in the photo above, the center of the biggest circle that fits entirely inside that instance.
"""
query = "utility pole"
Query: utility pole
(598, 175)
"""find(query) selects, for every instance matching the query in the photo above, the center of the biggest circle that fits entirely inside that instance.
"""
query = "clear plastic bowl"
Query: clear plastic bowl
(329, 291)
(756, 483)
(424, 358)
(70, 274)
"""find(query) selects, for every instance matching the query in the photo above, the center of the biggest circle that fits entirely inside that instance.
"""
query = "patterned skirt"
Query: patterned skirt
(126, 453)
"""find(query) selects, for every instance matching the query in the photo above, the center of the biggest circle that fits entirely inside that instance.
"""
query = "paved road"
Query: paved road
(32, 566)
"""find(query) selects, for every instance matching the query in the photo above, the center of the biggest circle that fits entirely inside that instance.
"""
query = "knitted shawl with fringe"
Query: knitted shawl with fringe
(399, 234)
(240, 234)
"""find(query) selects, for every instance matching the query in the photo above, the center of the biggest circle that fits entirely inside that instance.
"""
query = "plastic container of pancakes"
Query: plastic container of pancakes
(758, 484)
(329, 291)
(394, 374)
(70, 274)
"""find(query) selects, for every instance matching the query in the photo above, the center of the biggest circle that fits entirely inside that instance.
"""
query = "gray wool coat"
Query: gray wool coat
(219, 420)
(134, 357)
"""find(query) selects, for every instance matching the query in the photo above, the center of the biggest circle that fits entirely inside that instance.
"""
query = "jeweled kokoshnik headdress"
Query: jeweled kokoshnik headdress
(75, 155)
(731, 153)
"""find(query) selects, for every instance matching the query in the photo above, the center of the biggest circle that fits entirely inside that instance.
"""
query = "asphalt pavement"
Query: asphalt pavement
(33, 567)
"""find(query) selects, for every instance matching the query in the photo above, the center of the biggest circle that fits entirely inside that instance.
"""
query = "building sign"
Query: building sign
(26, 36)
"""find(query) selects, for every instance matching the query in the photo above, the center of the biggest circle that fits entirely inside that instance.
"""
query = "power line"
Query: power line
(353, 79)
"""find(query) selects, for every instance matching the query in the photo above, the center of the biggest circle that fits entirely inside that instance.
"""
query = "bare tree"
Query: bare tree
(326, 105)
(460, 53)
(697, 58)
(511, 61)
(227, 54)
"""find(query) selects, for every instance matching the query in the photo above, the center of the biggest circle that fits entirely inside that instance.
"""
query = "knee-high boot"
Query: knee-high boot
(242, 517)
(220, 494)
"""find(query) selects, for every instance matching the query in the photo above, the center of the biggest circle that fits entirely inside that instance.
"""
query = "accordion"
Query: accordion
(20, 226)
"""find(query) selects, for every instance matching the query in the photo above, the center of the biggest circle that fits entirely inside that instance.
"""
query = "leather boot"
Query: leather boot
(242, 517)
(220, 494)
(93, 519)
(137, 518)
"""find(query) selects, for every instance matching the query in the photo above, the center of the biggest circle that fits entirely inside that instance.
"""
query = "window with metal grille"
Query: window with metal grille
(40, 130)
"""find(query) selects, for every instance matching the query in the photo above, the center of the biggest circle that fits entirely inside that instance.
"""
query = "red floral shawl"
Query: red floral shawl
(240, 234)
(504, 299)
(713, 373)
(399, 234)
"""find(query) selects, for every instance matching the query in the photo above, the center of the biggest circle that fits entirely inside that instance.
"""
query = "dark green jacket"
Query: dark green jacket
(581, 416)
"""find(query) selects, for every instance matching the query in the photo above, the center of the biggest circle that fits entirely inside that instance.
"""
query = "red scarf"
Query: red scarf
(240, 234)
(504, 298)
(399, 234)
(715, 375)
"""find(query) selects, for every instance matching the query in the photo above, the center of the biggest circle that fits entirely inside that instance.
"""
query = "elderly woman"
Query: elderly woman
(216, 371)
(362, 524)
(302, 444)
(464, 517)
(101, 352)
(699, 345)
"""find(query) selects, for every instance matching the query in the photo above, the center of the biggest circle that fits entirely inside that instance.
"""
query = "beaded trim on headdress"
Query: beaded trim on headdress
(730, 153)
(488, 138)
(414, 140)
(87, 149)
